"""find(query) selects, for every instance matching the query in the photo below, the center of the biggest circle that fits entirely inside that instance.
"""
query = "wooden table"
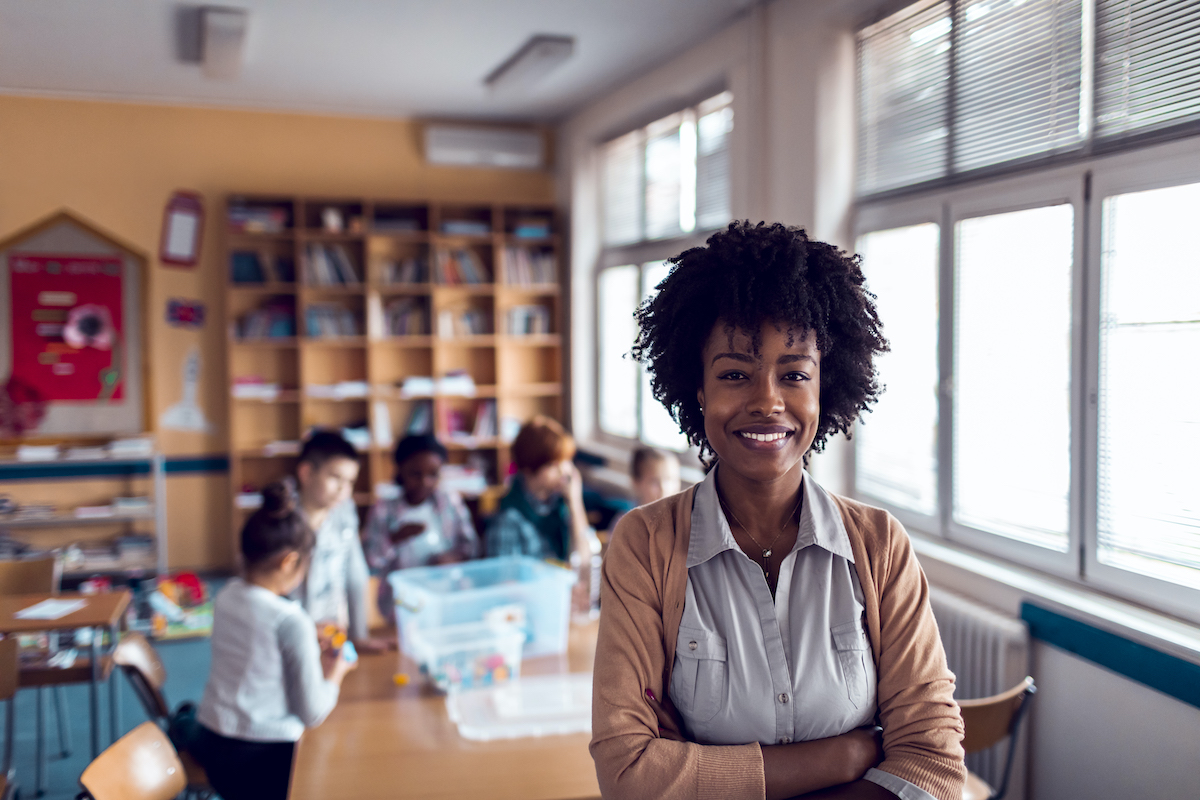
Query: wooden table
(102, 612)
(387, 741)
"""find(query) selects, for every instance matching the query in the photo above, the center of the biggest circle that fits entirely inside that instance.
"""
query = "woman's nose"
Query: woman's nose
(766, 399)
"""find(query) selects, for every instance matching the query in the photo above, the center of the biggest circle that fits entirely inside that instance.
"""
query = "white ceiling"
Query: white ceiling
(400, 58)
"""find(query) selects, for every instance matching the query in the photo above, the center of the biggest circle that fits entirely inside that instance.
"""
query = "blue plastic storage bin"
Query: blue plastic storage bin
(531, 594)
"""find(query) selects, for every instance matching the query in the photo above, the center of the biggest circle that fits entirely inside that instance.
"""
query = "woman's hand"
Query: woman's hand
(800, 767)
(407, 531)
(670, 725)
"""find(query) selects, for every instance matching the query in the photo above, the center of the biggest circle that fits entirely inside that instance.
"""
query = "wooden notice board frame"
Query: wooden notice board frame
(66, 234)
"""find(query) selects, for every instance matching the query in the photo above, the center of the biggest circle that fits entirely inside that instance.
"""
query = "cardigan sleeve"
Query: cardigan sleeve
(632, 762)
(922, 727)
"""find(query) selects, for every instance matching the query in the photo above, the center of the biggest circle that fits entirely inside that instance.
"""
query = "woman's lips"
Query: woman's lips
(772, 440)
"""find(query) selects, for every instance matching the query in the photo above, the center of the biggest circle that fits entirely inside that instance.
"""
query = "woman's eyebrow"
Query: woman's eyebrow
(743, 357)
(792, 358)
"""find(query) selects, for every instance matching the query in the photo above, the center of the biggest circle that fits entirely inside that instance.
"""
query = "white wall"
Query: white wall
(790, 65)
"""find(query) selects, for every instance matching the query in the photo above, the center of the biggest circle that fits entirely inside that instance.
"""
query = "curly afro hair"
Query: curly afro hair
(743, 277)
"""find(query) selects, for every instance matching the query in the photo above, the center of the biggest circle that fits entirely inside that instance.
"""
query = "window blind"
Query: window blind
(904, 81)
(664, 156)
(1149, 505)
(622, 189)
(1148, 65)
(713, 129)
(1018, 77)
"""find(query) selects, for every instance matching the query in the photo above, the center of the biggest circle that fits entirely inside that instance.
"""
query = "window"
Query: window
(951, 88)
(669, 178)
(1040, 401)
(663, 186)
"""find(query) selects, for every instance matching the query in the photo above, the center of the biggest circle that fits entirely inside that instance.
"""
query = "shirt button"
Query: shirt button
(783, 698)
(786, 740)
(691, 645)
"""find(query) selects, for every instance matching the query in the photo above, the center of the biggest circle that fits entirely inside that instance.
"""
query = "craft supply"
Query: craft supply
(50, 609)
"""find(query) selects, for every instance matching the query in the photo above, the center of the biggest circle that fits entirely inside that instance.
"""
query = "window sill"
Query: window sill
(1135, 623)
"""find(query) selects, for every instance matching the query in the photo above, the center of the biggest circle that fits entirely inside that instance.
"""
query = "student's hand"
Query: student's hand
(335, 666)
(574, 486)
(373, 645)
(407, 531)
(330, 635)
(670, 725)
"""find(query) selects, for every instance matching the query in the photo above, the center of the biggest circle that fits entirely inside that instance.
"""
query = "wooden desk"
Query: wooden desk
(102, 612)
(387, 741)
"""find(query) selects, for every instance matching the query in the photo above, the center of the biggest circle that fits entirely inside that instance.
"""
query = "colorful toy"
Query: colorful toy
(400, 679)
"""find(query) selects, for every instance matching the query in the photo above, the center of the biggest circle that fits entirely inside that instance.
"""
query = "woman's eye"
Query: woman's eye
(732, 376)
(795, 376)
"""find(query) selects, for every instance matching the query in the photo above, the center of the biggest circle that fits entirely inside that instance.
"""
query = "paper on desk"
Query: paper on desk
(50, 609)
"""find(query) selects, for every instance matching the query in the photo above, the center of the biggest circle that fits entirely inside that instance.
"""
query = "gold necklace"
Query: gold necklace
(766, 551)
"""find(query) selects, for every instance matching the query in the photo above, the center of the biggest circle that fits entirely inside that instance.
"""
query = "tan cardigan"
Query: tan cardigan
(644, 581)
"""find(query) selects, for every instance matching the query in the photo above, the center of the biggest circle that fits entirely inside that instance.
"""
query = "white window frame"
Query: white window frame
(1152, 167)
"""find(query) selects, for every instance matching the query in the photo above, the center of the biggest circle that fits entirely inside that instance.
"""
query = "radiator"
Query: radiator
(988, 653)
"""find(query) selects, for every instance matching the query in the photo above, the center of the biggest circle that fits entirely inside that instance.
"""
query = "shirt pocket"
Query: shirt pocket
(699, 677)
(850, 643)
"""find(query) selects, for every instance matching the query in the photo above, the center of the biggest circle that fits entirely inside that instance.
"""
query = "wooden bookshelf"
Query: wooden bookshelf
(441, 289)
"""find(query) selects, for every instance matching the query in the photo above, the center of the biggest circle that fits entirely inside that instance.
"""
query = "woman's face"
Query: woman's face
(761, 408)
(419, 476)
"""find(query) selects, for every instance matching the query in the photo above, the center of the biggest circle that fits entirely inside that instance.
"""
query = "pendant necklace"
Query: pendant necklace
(766, 551)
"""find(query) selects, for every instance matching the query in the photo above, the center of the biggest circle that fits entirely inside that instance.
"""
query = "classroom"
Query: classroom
(383, 387)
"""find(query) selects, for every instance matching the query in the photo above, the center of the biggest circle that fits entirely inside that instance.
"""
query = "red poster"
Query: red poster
(67, 325)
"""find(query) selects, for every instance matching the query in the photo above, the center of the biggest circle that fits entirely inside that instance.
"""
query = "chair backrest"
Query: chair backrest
(8, 667)
(32, 576)
(138, 659)
(989, 719)
(141, 765)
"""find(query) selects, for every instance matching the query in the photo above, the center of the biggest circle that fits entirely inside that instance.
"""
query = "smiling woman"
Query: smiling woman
(761, 636)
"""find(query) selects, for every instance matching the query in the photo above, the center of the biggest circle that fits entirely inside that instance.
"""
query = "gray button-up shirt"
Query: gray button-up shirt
(336, 585)
(793, 668)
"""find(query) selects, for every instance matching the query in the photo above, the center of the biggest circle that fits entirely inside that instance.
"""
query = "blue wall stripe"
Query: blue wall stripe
(65, 469)
(1167, 673)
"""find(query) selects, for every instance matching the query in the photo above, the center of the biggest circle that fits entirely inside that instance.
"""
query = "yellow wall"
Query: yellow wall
(116, 164)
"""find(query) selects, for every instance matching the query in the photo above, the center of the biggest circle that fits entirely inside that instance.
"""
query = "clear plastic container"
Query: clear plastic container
(544, 705)
(522, 591)
(467, 656)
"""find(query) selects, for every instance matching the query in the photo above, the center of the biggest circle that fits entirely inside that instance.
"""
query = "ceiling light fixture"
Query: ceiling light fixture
(224, 34)
(538, 57)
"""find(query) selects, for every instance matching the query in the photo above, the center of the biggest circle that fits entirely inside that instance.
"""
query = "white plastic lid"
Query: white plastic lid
(541, 705)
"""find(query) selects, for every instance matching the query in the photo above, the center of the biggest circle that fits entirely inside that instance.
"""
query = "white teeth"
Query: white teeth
(764, 437)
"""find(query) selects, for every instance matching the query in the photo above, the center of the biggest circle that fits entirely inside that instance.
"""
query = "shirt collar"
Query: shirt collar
(820, 523)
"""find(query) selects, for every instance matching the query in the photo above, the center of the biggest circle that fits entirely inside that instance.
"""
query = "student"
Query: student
(425, 524)
(269, 678)
(336, 587)
(655, 475)
(542, 514)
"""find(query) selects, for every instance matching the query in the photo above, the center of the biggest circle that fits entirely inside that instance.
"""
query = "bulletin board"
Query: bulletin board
(71, 327)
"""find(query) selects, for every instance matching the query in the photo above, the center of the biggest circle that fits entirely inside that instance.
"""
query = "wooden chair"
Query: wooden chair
(138, 659)
(985, 722)
(141, 765)
(41, 576)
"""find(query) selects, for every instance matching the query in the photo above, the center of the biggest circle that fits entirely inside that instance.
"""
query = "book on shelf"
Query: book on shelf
(457, 383)
(37, 452)
(526, 320)
(405, 316)
(330, 265)
(526, 267)
(461, 266)
(258, 219)
(272, 320)
(531, 227)
(249, 267)
(485, 420)
(328, 320)
(417, 386)
(381, 424)
(358, 435)
(343, 390)
(282, 447)
(253, 387)
(397, 224)
(471, 322)
(466, 227)
(467, 480)
(420, 419)
(414, 269)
